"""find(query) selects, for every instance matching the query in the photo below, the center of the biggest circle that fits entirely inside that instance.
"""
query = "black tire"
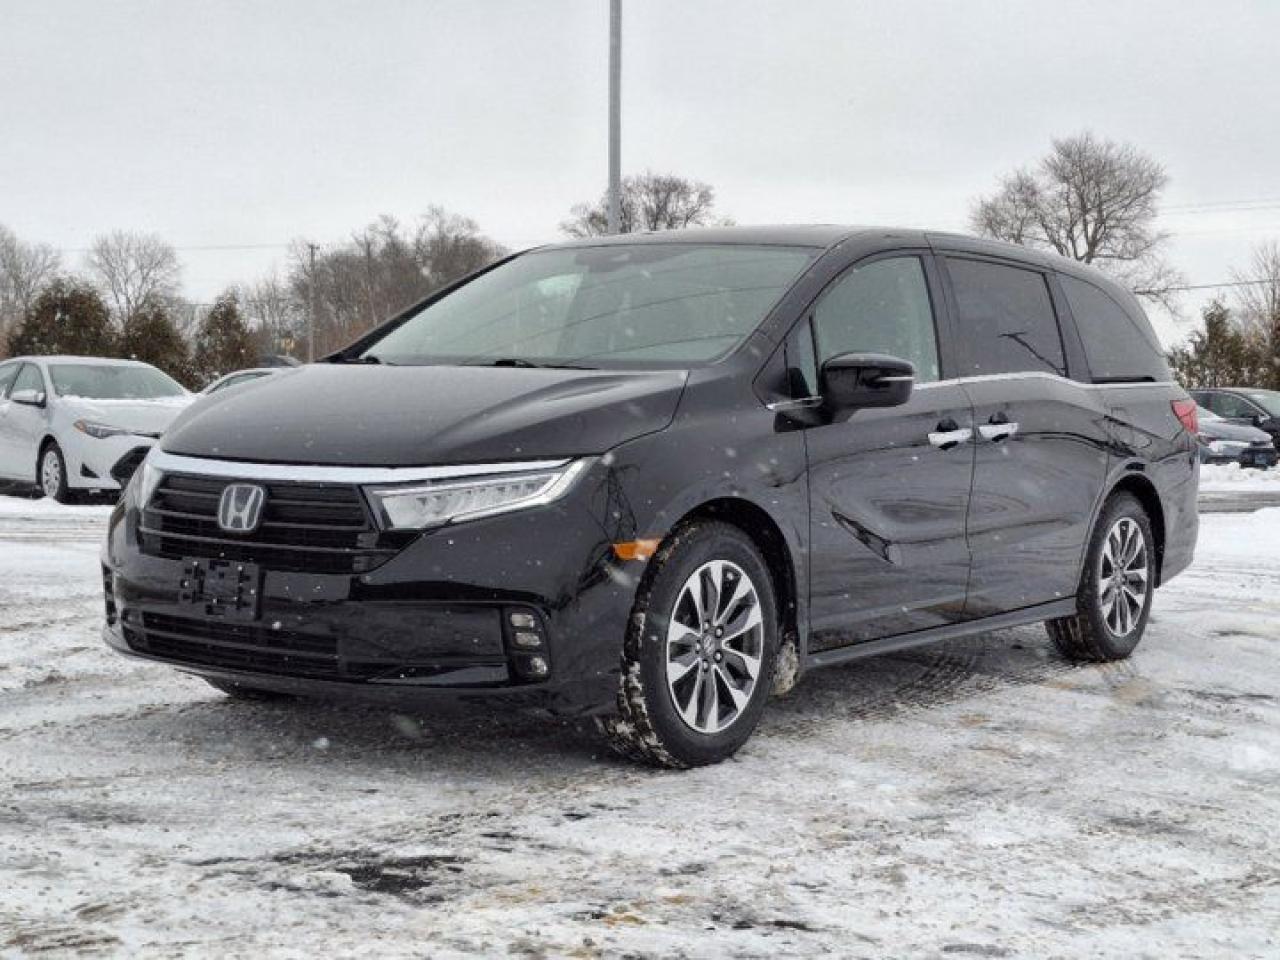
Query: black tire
(51, 474)
(1091, 635)
(649, 725)
(238, 691)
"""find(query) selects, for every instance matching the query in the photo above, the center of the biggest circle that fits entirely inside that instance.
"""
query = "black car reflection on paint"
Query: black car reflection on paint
(654, 478)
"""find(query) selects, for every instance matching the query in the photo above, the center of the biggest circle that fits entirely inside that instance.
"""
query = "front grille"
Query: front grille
(259, 649)
(306, 527)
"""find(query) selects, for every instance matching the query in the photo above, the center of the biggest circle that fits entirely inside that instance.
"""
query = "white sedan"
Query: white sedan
(71, 424)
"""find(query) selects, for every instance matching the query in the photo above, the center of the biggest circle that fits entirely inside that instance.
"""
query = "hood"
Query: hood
(348, 415)
(1222, 430)
(136, 416)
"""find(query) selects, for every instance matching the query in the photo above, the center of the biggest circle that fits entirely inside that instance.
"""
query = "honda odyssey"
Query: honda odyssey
(654, 478)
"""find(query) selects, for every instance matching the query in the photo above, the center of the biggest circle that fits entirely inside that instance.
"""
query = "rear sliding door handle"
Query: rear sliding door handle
(947, 439)
(997, 431)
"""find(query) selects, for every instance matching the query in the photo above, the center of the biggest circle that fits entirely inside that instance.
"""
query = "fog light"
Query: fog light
(525, 621)
(527, 640)
(537, 667)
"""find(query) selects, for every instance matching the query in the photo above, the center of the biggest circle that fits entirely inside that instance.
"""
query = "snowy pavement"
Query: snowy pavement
(980, 798)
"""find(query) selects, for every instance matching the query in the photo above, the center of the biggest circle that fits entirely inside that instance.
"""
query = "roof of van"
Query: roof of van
(826, 235)
(794, 234)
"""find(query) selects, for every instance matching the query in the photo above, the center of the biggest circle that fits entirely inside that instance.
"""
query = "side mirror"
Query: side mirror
(30, 397)
(855, 380)
(1257, 419)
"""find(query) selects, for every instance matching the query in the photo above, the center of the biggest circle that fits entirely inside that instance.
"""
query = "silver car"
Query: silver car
(73, 424)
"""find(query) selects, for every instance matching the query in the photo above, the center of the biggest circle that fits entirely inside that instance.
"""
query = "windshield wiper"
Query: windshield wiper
(367, 358)
(526, 364)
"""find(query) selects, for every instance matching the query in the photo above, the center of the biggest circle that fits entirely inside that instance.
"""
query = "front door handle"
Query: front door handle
(950, 435)
(996, 432)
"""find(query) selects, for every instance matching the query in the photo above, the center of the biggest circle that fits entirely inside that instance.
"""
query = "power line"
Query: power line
(1211, 286)
(1213, 206)
(201, 247)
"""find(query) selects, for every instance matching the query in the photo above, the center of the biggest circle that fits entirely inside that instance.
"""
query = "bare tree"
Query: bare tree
(274, 315)
(1092, 200)
(132, 268)
(382, 269)
(1258, 308)
(649, 201)
(447, 246)
(24, 270)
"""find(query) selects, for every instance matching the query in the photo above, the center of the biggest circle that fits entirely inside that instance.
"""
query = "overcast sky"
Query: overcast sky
(235, 123)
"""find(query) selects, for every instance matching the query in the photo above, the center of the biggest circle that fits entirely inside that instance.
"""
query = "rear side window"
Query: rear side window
(880, 307)
(1231, 405)
(1118, 344)
(1006, 319)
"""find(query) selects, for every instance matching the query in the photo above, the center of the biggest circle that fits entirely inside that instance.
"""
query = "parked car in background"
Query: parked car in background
(1222, 441)
(241, 376)
(1254, 408)
(77, 424)
(652, 477)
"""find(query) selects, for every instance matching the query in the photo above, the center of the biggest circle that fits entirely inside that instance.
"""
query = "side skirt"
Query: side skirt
(905, 641)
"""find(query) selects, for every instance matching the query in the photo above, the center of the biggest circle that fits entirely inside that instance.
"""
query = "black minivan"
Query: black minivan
(654, 478)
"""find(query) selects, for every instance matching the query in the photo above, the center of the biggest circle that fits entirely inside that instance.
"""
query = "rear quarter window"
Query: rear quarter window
(1118, 342)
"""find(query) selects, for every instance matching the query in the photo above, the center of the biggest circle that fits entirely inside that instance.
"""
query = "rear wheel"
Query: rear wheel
(699, 657)
(239, 691)
(1114, 599)
(53, 474)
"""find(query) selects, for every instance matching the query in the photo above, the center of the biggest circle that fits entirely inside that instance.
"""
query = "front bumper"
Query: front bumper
(434, 622)
(1261, 457)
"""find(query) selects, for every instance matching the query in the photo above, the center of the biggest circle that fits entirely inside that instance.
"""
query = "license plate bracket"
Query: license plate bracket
(225, 589)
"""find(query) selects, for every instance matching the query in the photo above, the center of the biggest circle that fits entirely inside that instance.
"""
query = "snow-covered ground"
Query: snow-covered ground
(980, 798)
(1215, 477)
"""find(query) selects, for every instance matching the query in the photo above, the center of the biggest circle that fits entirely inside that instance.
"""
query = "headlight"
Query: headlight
(145, 480)
(468, 498)
(98, 430)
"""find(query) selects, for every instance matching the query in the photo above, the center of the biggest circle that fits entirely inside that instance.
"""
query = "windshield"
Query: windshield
(1268, 400)
(112, 382)
(645, 304)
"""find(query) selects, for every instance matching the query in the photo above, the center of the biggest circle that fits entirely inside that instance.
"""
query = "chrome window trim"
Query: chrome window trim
(1041, 375)
(305, 473)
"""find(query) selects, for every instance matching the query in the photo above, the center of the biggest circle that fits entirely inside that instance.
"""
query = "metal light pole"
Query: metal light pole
(615, 115)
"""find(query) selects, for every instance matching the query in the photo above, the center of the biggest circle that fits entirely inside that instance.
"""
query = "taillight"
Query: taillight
(1185, 411)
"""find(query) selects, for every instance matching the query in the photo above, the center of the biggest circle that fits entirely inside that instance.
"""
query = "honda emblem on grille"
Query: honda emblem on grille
(240, 509)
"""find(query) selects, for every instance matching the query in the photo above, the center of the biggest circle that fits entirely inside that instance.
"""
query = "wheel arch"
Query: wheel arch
(761, 528)
(1142, 489)
(46, 442)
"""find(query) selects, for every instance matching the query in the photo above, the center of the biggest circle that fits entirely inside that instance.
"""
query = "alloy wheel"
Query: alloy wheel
(715, 644)
(1124, 577)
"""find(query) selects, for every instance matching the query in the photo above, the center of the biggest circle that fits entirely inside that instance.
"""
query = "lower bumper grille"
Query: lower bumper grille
(256, 648)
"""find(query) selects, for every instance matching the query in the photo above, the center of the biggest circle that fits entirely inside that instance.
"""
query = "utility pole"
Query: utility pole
(311, 307)
(615, 115)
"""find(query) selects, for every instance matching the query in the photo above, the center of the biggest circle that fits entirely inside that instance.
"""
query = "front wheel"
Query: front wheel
(699, 657)
(53, 475)
(1114, 599)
